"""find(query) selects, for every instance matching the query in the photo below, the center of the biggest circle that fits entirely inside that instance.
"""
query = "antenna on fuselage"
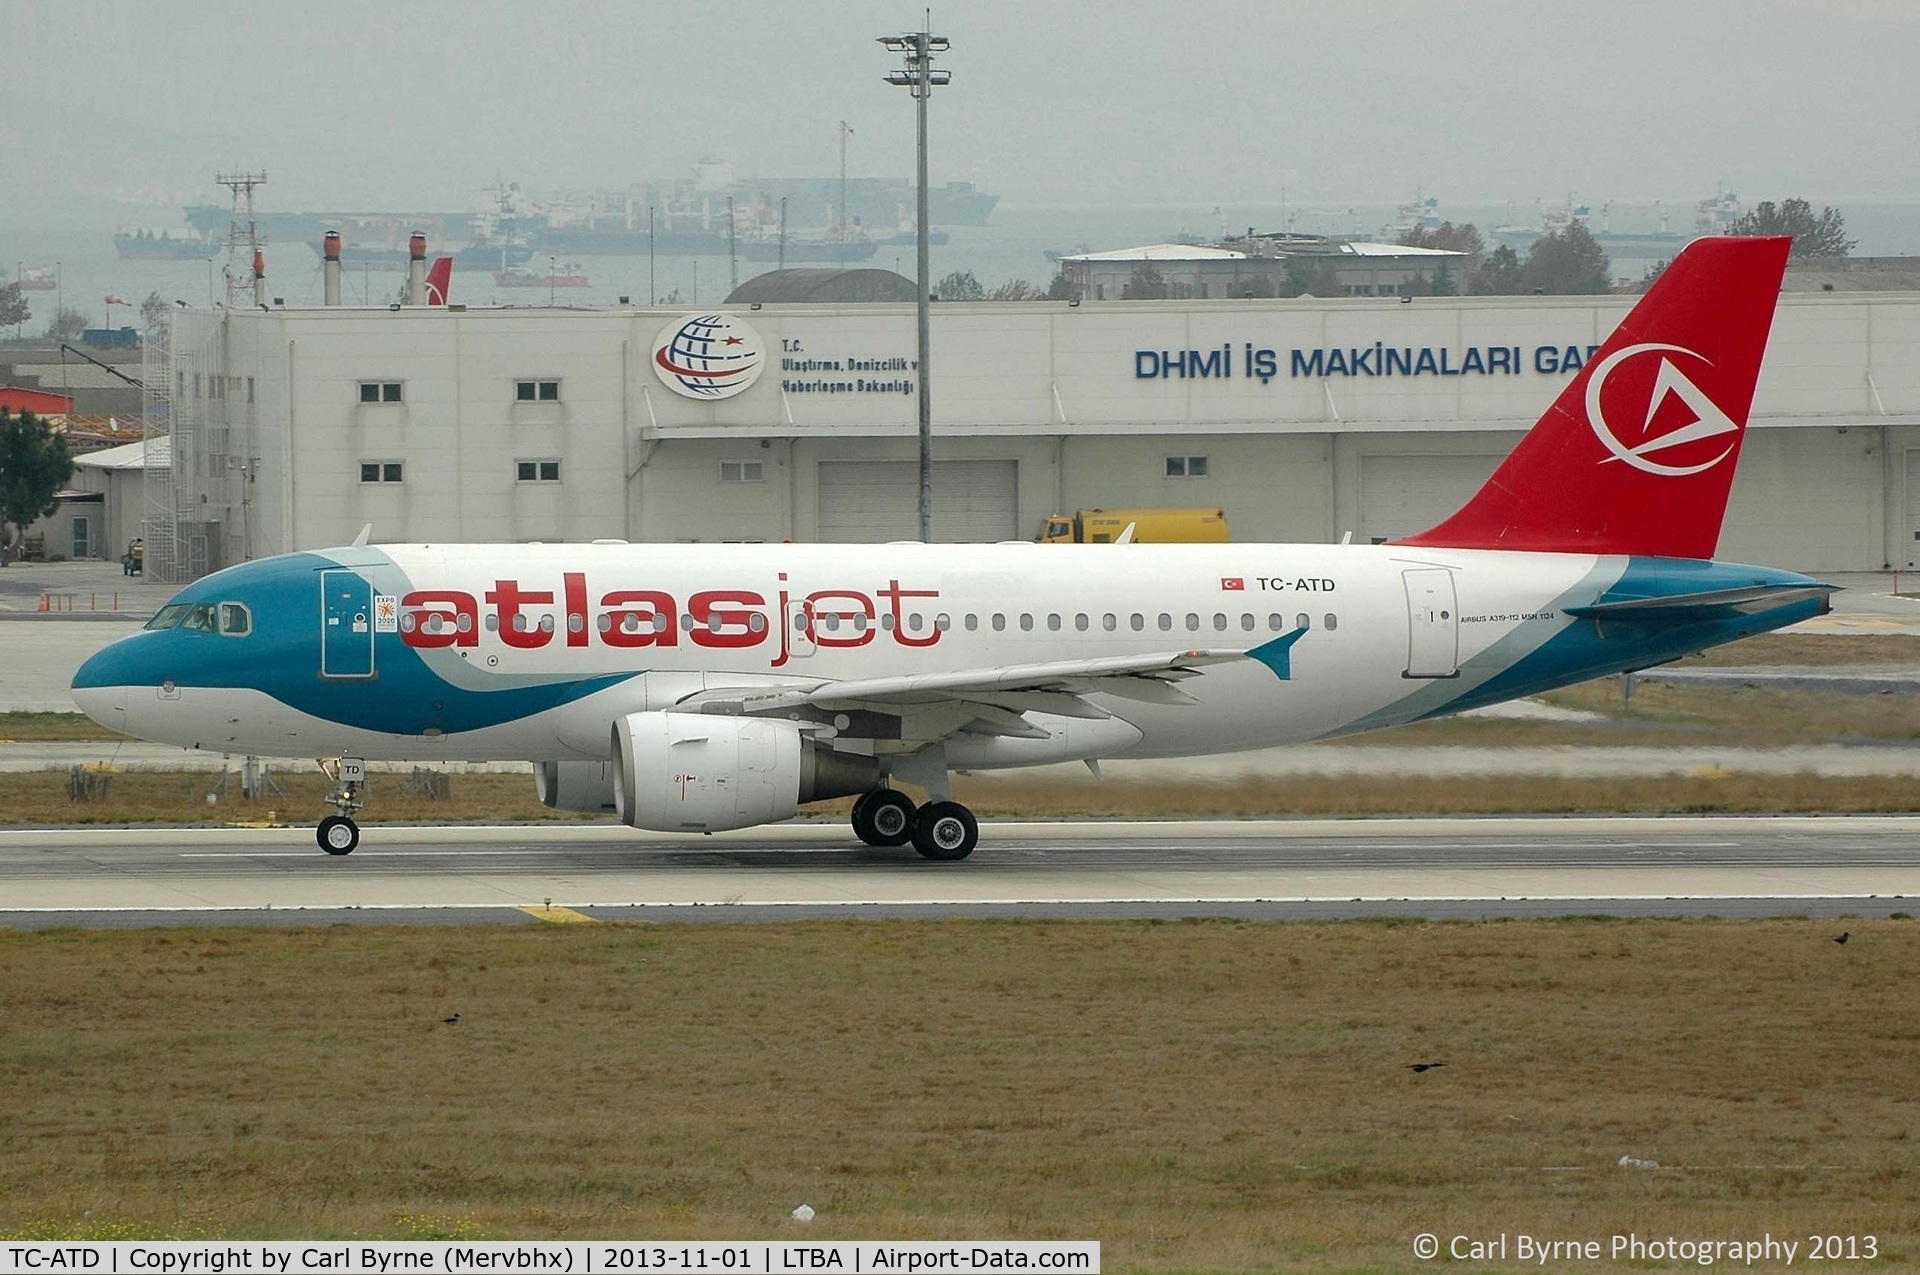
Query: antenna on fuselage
(366, 533)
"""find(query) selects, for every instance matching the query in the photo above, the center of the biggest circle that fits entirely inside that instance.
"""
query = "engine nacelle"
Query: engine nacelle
(576, 785)
(695, 772)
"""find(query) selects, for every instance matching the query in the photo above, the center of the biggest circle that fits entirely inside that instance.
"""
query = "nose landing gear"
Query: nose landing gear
(339, 834)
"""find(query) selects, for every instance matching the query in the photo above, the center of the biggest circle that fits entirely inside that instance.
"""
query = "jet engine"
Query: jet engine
(694, 772)
(575, 785)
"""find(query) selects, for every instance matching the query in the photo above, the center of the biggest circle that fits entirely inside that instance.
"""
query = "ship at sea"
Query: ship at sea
(1715, 216)
(565, 275)
(821, 219)
(177, 244)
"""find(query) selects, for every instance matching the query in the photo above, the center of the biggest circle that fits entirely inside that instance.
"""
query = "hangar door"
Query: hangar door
(1402, 495)
(864, 501)
(1913, 506)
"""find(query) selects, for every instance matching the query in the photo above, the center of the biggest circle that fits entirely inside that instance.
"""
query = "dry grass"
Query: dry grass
(42, 798)
(1196, 1096)
(19, 727)
(1668, 716)
(180, 796)
(1823, 649)
(1706, 791)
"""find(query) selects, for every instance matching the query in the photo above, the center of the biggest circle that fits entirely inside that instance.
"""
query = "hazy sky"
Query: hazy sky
(386, 103)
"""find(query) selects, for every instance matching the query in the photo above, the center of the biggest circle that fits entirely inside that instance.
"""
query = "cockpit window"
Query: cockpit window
(235, 619)
(170, 615)
(201, 618)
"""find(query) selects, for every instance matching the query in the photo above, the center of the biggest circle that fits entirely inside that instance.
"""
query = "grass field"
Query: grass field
(1197, 1096)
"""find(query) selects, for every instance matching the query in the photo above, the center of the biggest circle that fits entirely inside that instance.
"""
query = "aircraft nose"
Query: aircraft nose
(104, 704)
(100, 688)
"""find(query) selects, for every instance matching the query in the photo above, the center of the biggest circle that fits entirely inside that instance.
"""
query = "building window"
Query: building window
(380, 391)
(1186, 466)
(743, 471)
(536, 391)
(380, 471)
(537, 471)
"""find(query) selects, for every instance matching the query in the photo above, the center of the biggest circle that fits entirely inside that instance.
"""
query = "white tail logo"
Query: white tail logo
(1708, 420)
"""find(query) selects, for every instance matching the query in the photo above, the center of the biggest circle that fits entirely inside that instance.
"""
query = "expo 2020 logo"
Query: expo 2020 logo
(709, 356)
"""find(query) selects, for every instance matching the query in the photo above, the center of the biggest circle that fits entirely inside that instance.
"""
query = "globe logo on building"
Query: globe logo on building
(709, 356)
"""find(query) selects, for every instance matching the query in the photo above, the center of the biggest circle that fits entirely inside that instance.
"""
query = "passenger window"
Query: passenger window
(1333, 621)
(235, 620)
(1193, 622)
(1219, 622)
(914, 621)
(1080, 622)
(1109, 621)
(999, 622)
(886, 622)
(1053, 622)
(1138, 622)
(1026, 622)
(1274, 621)
(973, 622)
(1166, 622)
(1246, 621)
(1303, 621)
(943, 622)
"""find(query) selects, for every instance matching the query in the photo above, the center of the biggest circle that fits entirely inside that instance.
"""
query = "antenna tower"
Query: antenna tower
(243, 238)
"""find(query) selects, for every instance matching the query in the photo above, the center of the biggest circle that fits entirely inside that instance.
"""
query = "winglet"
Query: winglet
(1637, 454)
(366, 534)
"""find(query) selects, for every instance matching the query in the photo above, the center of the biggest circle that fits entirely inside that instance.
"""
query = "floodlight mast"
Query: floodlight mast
(920, 77)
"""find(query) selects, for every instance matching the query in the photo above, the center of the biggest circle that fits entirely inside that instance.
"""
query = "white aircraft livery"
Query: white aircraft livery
(694, 688)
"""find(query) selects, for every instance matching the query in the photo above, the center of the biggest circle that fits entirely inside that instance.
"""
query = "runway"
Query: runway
(1438, 868)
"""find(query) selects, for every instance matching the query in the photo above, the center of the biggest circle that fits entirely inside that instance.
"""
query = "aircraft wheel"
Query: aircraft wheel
(337, 834)
(884, 817)
(858, 817)
(945, 830)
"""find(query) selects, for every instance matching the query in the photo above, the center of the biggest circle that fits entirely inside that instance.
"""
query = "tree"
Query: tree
(34, 464)
(960, 286)
(1499, 275)
(13, 306)
(67, 324)
(1147, 284)
(1014, 290)
(151, 310)
(1309, 278)
(1567, 263)
(1822, 236)
(1061, 289)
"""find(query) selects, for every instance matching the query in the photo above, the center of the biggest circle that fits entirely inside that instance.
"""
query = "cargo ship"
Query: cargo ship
(567, 275)
(184, 244)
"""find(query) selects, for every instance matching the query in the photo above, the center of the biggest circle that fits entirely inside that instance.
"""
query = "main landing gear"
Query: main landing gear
(944, 830)
(339, 834)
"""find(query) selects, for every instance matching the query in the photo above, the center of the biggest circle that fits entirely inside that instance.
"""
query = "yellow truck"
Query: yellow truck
(1150, 526)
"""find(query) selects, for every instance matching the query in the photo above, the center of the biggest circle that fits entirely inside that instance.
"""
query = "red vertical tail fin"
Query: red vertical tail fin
(439, 280)
(1637, 454)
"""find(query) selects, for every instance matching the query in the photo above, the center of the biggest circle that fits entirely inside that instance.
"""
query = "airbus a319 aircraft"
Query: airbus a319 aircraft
(694, 688)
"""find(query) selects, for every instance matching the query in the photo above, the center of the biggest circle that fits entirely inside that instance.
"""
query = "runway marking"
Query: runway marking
(558, 916)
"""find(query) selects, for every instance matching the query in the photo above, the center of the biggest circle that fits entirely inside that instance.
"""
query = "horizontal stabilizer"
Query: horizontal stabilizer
(1747, 600)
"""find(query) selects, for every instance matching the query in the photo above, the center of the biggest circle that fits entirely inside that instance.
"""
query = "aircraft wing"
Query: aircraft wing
(989, 700)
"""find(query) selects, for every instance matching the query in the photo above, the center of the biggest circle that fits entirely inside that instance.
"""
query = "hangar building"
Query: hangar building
(1306, 420)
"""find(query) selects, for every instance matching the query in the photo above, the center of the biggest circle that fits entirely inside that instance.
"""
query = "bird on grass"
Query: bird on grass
(1844, 935)
(451, 1021)
(1423, 1066)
